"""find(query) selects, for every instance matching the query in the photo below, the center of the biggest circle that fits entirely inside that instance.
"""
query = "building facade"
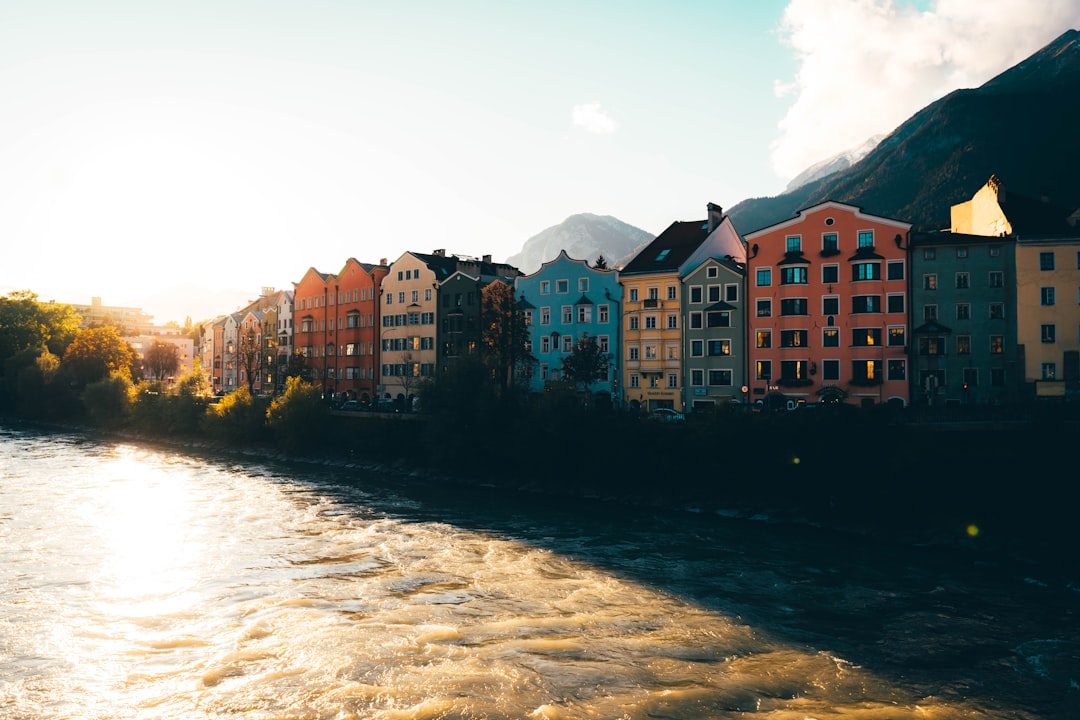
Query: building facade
(828, 308)
(714, 322)
(564, 301)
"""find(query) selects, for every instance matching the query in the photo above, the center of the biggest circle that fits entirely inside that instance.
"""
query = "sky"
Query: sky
(179, 156)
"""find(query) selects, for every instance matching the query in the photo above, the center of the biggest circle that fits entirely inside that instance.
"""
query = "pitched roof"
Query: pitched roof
(1034, 216)
(670, 249)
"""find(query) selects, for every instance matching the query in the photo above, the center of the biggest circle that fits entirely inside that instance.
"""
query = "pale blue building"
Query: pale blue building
(563, 301)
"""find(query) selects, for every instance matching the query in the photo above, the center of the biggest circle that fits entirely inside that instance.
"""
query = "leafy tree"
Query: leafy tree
(96, 353)
(239, 417)
(27, 323)
(504, 336)
(297, 366)
(108, 400)
(298, 416)
(587, 364)
(162, 360)
(248, 353)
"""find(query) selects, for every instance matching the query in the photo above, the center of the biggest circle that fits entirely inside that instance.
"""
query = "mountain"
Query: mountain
(584, 237)
(1020, 126)
(835, 164)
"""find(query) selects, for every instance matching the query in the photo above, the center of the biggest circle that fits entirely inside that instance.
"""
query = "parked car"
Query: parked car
(667, 415)
(352, 406)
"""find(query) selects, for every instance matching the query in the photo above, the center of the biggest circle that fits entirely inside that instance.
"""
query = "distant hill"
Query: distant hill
(1021, 126)
(584, 237)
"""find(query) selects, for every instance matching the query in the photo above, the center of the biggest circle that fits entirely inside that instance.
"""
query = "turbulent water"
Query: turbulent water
(140, 583)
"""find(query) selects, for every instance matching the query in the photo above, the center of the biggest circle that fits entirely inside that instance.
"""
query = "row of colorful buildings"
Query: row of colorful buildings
(833, 304)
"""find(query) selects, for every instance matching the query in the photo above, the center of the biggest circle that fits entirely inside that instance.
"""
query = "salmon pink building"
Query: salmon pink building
(827, 308)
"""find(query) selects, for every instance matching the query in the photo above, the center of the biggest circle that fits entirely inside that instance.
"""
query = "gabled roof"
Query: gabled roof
(933, 327)
(1035, 216)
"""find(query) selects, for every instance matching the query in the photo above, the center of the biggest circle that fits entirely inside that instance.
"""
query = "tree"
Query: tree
(504, 336)
(601, 262)
(96, 353)
(587, 364)
(162, 359)
(27, 323)
(248, 353)
(298, 416)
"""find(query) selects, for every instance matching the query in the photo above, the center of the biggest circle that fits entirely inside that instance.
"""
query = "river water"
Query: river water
(145, 583)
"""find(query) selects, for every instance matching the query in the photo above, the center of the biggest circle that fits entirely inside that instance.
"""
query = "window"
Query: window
(695, 294)
(793, 276)
(712, 272)
(764, 277)
(650, 322)
(793, 243)
(764, 370)
(897, 337)
(866, 372)
(401, 297)
(1048, 332)
(584, 314)
(415, 296)
(721, 318)
(929, 254)
(830, 369)
(633, 352)
(897, 369)
(673, 380)
(929, 312)
(714, 293)
(866, 337)
(894, 270)
(830, 274)
(961, 252)
(830, 305)
(604, 314)
(1049, 371)
(794, 371)
(929, 281)
(997, 311)
(1046, 261)
(764, 338)
(696, 321)
(866, 304)
(697, 378)
(633, 294)
(963, 282)
(793, 338)
(830, 337)
(997, 344)
(720, 377)
(654, 293)
(866, 271)
(997, 279)
(793, 306)
(731, 292)
(562, 287)
(650, 352)
(895, 303)
(603, 343)
(545, 287)
(719, 348)
(931, 345)
(830, 243)
(545, 316)
(672, 322)
(963, 311)
(697, 348)
(1046, 296)
(635, 381)
(764, 308)
(583, 285)
(866, 238)
(963, 344)
(567, 343)
(672, 292)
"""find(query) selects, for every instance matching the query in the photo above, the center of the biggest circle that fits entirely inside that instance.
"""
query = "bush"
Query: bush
(108, 401)
(239, 417)
(298, 417)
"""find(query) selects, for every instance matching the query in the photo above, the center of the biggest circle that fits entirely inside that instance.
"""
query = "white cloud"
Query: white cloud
(592, 117)
(866, 66)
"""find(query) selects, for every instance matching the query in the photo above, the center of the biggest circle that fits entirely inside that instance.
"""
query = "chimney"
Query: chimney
(487, 259)
(716, 216)
(382, 261)
(439, 253)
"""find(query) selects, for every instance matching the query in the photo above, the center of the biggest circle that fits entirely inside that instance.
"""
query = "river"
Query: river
(137, 582)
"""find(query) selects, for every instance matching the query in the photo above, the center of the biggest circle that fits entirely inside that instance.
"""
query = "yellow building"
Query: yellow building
(1047, 279)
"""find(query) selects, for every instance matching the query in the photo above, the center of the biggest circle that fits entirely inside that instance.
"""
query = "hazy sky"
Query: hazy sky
(232, 144)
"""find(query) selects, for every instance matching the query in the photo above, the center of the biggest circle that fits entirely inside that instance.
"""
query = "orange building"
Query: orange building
(336, 322)
(827, 313)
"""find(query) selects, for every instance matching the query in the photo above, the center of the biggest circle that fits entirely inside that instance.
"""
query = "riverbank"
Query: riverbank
(967, 492)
